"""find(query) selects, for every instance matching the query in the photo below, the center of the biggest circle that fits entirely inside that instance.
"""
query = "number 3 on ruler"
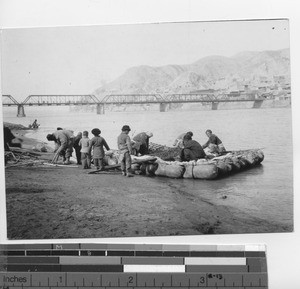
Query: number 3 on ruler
(202, 280)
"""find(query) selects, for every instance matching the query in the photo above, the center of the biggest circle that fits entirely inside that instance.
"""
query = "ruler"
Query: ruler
(86, 266)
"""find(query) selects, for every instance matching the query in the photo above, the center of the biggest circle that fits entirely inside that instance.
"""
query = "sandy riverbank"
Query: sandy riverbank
(66, 202)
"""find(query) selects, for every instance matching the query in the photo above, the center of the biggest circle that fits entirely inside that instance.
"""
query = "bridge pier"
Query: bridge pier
(100, 108)
(257, 103)
(21, 111)
(163, 107)
(214, 105)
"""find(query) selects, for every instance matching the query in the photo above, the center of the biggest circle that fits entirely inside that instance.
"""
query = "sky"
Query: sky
(78, 60)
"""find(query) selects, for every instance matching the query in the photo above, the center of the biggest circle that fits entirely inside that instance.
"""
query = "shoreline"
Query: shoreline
(27, 141)
(21, 132)
(46, 202)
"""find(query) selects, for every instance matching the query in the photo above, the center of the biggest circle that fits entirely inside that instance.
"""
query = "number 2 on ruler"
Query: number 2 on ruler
(130, 279)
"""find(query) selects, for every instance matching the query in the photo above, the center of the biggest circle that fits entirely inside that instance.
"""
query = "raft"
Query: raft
(207, 169)
(164, 161)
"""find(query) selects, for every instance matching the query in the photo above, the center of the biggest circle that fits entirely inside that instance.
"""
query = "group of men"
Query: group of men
(139, 145)
(65, 142)
(192, 150)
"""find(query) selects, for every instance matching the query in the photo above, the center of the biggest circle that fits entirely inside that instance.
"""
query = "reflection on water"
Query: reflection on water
(265, 191)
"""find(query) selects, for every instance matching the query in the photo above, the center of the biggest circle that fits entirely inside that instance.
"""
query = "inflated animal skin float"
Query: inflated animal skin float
(161, 161)
(228, 164)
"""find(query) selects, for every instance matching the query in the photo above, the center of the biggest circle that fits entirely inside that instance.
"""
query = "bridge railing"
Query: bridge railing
(60, 99)
(188, 97)
(8, 100)
(132, 98)
(40, 100)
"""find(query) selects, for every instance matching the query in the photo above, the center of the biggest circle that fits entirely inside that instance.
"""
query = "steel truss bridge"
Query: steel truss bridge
(163, 100)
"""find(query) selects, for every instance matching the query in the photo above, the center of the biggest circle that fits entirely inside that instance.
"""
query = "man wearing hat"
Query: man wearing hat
(124, 146)
(142, 142)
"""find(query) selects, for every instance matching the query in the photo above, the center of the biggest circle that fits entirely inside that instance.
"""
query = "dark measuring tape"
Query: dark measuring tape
(84, 266)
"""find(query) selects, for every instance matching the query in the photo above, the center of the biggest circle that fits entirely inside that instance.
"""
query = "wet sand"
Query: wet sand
(45, 202)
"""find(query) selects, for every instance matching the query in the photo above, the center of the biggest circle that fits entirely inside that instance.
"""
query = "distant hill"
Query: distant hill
(266, 63)
(214, 72)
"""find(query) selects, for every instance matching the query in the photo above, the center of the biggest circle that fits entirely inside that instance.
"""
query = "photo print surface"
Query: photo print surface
(147, 129)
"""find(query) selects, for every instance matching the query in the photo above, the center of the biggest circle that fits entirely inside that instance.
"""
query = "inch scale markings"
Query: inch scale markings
(137, 280)
(136, 266)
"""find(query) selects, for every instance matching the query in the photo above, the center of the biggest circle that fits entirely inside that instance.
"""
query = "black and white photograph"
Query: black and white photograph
(157, 129)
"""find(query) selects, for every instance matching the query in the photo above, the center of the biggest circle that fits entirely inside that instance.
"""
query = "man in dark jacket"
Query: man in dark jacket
(192, 150)
(142, 142)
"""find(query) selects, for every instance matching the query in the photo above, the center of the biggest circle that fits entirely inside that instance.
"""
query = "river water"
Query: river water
(265, 191)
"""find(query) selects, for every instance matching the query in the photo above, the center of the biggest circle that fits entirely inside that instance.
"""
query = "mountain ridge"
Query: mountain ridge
(210, 72)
